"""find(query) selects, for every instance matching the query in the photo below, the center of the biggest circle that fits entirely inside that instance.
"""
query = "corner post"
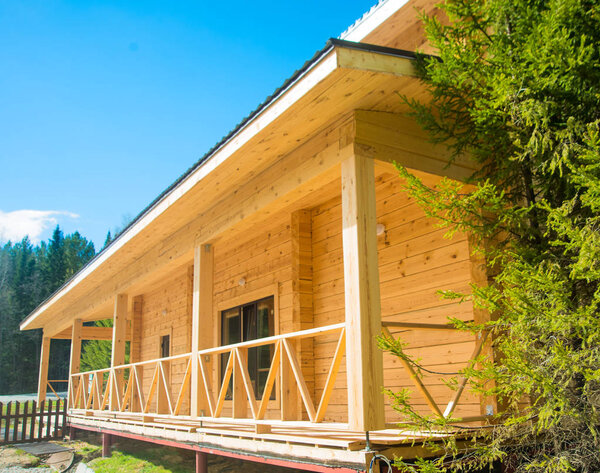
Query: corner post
(202, 320)
(75, 362)
(117, 358)
(364, 360)
(43, 377)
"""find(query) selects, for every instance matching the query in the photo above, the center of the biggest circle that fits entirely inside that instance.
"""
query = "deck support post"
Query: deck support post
(364, 360)
(202, 323)
(118, 348)
(75, 361)
(106, 444)
(201, 462)
(43, 377)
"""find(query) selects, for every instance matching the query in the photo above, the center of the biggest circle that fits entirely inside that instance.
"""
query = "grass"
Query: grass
(11, 456)
(139, 457)
(26, 458)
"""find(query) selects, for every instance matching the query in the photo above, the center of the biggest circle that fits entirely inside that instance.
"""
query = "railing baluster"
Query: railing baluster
(207, 387)
(331, 375)
(152, 390)
(138, 386)
(224, 386)
(242, 362)
(464, 379)
(184, 385)
(271, 377)
(308, 404)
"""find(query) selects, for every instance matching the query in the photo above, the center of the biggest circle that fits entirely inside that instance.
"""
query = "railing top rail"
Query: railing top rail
(268, 340)
(416, 326)
(226, 348)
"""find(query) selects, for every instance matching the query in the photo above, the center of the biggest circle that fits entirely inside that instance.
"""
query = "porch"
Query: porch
(115, 401)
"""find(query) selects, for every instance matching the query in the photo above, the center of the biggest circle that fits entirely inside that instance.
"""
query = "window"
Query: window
(165, 345)
(249, 322)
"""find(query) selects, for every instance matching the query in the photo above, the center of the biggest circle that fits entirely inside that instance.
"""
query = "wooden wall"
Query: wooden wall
(415, 262)
(263, 260)
(167, 310)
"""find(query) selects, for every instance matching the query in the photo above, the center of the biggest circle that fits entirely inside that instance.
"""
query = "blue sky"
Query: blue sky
(103, 103)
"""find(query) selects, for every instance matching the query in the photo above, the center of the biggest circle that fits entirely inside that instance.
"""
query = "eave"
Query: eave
(341, 78)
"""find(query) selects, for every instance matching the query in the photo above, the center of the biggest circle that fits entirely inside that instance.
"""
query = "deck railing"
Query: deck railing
(412, 369)
(120, 388)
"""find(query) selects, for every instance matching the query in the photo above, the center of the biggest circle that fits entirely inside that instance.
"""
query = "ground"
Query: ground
(131, 456)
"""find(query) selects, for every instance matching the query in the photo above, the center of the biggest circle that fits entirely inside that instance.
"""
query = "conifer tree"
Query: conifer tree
(516, 86)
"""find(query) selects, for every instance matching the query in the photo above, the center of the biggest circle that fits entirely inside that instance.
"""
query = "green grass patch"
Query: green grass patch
(138, 457)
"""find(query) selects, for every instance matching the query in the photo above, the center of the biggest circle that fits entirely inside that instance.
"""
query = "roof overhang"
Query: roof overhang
(341, 78)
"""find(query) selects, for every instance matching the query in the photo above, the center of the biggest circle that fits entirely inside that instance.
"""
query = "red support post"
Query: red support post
(201, 462)
(106, 443)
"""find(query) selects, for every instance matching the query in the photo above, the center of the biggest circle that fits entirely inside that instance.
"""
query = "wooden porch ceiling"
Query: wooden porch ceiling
(291, 146)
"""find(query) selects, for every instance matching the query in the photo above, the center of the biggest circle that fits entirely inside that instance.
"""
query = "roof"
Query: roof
(287, 85)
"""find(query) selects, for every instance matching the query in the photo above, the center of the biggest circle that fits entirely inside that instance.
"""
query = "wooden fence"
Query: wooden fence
(27, 422)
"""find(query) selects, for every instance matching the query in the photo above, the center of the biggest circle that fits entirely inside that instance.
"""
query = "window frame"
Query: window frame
(246, 298)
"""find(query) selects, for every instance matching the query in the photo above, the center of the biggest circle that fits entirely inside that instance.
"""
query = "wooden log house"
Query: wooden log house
(252, 290)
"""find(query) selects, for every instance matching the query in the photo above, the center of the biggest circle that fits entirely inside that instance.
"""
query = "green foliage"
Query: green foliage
(28, 275)
(96, 354)
(517, 88)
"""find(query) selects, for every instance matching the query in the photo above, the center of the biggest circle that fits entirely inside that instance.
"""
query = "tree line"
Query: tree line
(29, 274)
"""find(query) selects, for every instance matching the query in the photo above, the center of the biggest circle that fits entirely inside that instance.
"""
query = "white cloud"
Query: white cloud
(15, 225)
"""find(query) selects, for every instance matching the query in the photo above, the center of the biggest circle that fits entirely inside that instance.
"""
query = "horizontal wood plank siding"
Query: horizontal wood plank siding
(263, 260)
(415, 261)
(166, 311)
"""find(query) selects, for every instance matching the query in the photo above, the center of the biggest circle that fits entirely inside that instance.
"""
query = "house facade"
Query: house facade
(251, 292)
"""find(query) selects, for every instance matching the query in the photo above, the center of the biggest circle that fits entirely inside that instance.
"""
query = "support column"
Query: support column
(106, 444)
(201, 462)
(119, 338)
(75, 362)
(302, 316)
(43, 377)
(364, 360)
(202, 324)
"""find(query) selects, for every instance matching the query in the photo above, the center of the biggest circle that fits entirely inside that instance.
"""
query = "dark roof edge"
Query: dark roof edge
(329, 46)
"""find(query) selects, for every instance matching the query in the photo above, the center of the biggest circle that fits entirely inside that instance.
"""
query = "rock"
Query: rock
(83, 468)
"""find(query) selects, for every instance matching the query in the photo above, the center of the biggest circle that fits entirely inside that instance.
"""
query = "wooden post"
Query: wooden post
(118, 347)
(43, 378)
(135, 349)
(488, 404)
(106, 444)
(364, 360)
(302, 315)
(75, 363)
(201, 462)
(202, 323)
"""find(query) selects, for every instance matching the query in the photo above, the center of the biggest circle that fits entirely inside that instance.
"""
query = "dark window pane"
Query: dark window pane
(231, 330)
(165, 342)
(245, 323)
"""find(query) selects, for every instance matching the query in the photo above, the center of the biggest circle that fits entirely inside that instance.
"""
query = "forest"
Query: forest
(29, 274)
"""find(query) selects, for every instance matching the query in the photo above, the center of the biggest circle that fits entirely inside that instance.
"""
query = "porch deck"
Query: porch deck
(232, 420)
(314, 447)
